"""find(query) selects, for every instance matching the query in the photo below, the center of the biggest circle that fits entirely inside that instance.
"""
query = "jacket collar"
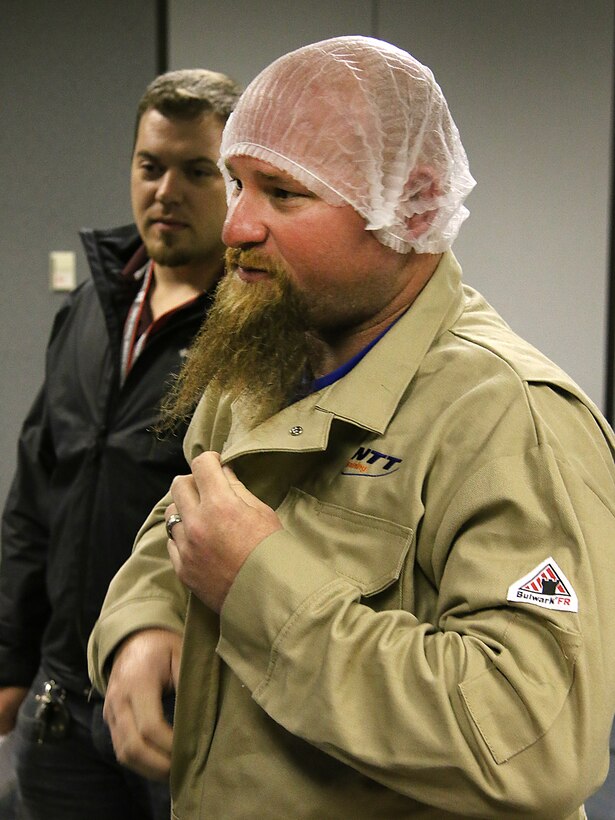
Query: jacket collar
(368, 395)
(108, 251)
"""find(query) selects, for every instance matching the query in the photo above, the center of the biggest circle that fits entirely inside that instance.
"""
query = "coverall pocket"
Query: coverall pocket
(512, 707)
(368, 551)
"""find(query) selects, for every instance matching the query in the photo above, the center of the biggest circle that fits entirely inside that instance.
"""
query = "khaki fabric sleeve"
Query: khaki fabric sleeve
(145, 593)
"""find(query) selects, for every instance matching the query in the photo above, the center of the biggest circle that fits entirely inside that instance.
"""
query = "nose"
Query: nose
(244, 223)
(169, 189)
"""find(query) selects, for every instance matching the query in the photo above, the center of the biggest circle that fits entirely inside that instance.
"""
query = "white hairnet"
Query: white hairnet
(359, 121)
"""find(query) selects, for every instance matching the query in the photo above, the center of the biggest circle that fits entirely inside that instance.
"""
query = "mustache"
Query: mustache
(238, 258)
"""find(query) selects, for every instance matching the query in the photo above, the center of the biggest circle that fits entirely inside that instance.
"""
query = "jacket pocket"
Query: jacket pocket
(513, 707)
(368, 551)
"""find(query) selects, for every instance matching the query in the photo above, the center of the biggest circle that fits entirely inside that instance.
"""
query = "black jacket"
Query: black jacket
(89, 469)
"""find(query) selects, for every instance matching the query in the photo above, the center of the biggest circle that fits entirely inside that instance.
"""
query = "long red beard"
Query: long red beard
(253, 343)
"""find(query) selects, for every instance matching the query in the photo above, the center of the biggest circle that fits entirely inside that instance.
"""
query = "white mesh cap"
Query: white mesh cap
(359, 121)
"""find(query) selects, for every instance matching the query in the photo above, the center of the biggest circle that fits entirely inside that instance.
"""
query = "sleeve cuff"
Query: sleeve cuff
(118, 624)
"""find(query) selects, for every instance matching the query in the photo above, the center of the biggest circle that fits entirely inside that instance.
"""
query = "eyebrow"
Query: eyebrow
(280, 177)
(189, 161)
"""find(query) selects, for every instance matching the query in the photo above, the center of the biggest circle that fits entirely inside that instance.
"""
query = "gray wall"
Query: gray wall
(71, 74)
(530, 86)
(528, 83)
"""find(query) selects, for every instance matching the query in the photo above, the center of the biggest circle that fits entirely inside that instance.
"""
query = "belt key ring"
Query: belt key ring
(52, 712)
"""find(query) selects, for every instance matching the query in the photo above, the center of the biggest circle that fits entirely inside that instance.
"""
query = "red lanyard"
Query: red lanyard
(133, 342)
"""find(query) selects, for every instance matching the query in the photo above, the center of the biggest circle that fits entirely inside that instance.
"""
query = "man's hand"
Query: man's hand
(10, 701)
(145, 667)
(222, 522)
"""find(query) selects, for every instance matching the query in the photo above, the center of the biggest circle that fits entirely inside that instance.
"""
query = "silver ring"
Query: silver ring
(172, 520)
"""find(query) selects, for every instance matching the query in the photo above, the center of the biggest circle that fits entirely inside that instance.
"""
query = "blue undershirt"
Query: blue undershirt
(330, 378)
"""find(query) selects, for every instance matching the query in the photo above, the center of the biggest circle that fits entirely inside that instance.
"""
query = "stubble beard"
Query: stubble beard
(171, 258)
(254, 344)
(164, 252)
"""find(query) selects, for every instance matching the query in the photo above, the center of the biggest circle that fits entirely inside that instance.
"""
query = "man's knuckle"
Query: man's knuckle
(120, 748)
(194, 530)
(148, 732)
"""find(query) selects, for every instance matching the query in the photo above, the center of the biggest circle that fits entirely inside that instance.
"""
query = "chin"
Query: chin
(169, 257)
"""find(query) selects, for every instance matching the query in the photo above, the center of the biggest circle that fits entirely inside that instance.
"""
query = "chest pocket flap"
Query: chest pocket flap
(366, 550)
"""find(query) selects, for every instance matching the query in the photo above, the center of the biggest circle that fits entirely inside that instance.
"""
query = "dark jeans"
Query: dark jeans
(7, 806)
(77, 777)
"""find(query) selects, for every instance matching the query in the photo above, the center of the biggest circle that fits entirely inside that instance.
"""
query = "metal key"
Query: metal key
(42, 713)
(52, 712)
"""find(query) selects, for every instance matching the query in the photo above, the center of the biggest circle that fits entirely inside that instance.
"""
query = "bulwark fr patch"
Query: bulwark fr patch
(545, 586)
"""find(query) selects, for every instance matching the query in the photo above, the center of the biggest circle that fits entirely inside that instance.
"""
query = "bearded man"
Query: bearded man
(385, 570)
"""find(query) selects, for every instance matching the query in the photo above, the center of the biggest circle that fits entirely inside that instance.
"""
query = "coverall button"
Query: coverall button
(296, 431)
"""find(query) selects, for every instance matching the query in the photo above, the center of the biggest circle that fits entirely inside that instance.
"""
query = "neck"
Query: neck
(173, 286)
(332, 349)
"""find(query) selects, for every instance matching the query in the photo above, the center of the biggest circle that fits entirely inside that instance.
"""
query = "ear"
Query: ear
(422, 184)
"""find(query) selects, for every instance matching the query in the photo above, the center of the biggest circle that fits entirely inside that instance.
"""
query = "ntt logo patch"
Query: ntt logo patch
(371, 463)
